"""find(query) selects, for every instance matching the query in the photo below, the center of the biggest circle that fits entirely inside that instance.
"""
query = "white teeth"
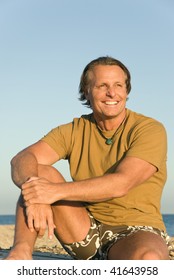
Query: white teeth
(111, 102)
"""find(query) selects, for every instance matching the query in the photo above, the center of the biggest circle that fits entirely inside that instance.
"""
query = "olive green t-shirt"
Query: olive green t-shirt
(81, 143)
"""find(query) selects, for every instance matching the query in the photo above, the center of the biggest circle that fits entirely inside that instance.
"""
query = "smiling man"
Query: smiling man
(117, 159)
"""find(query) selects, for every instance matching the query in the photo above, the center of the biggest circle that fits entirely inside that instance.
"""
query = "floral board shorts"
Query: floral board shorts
(101, 237)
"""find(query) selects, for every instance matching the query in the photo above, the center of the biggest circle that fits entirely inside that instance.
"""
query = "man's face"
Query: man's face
(108, 92)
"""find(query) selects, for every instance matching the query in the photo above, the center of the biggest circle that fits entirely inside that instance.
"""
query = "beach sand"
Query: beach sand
(44, 247)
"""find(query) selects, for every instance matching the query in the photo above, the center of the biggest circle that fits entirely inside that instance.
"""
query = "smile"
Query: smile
(111, 102)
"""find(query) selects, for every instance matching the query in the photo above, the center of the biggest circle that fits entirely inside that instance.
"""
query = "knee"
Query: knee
(50, 173)
(151, 254)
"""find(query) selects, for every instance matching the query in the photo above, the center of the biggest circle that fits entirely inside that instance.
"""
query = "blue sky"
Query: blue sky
(44, 46)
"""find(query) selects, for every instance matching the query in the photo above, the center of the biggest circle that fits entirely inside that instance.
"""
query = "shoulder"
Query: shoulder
(75, 123)
(83, 120)
(78, 124)
(137, 121)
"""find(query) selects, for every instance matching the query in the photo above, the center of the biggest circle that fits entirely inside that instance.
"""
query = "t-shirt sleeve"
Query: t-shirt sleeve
(149, 142)
(60, 139)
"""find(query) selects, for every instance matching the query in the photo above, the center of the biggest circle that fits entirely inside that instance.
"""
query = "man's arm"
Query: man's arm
(25, 164)
(130, 173)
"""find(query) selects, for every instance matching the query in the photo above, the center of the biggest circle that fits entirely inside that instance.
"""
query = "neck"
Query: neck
(110, 123)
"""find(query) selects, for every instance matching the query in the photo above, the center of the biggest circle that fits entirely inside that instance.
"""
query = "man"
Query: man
(117, 158)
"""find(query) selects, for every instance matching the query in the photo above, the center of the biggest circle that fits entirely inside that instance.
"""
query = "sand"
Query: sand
(42, 245)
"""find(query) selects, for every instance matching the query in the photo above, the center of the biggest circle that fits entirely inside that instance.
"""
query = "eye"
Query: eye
(102, 86)
(119, 85)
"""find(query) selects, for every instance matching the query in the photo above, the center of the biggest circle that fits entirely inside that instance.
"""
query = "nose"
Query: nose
(111, 91)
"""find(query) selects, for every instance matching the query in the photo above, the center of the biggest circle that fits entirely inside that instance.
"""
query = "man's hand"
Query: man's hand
(38, 210)
(39, 191)
(39, 218)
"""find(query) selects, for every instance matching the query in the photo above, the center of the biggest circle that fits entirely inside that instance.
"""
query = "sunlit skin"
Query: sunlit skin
(108, 95)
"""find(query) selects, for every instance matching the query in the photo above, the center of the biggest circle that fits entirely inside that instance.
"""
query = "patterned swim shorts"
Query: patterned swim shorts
(101, 237)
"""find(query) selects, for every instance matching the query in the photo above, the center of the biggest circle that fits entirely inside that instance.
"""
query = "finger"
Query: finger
(31, 179)
(28, 198)
(42, 230)
(32, 200)
(29, 183)
(26, 186)
(51, 227)
(30, 221)
(26, 194)
(40, 225)
(31, 196)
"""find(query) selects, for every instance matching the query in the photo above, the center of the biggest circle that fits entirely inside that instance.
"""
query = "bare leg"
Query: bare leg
(67, 217)
(70, 218)
(24, 239)
(139, 246)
